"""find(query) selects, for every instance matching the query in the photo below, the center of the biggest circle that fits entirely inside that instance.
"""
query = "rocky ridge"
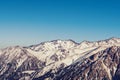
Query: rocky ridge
(62, 59)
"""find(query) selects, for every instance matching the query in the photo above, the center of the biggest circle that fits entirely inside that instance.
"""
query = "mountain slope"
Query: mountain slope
(62, 59)
(16, 61)
(103, 65)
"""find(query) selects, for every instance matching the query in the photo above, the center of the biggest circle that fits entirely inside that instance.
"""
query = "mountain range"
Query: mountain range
(62, 60)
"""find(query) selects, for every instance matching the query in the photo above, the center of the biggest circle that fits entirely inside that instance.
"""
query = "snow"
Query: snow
(72, 52)
(76, 51)
(107, 70)
(20, 61)
(29, 71)
(114, 68)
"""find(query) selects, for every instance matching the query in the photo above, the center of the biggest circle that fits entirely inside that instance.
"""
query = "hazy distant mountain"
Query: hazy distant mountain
(62, 60)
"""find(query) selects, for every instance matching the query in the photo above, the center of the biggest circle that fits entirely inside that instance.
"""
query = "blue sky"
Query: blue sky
(26, 22)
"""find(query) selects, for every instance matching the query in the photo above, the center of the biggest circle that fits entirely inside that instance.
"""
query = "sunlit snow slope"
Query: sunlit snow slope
(43, 61)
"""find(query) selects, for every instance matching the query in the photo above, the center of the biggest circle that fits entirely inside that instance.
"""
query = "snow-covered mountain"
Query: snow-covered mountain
(62, 60)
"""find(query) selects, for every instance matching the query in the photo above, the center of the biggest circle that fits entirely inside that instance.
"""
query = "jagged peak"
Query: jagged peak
(60, 41)
(105, 40)
(58, 52)
(112, 38)
(84, 43)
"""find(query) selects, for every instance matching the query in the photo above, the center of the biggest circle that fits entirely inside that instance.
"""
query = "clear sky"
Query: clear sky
(26, 22)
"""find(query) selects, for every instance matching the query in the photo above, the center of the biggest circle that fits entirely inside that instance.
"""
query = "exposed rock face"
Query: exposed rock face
(15, 65)
(104, 65)
(62, 60)
(101, 66)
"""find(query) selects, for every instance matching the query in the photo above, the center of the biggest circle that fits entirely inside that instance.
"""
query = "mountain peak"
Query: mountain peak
(47, 58)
